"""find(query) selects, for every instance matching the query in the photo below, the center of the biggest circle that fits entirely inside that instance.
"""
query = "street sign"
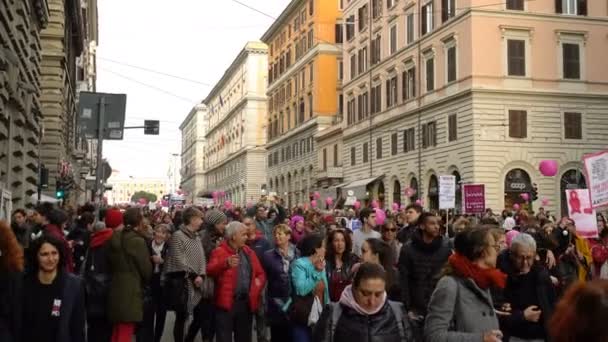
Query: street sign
(447, 192)
(151, 127)
(113, 117)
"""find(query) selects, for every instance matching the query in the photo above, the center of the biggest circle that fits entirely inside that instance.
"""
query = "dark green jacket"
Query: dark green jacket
(131, 268)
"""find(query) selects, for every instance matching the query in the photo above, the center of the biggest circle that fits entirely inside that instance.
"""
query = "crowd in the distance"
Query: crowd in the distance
(299, 274)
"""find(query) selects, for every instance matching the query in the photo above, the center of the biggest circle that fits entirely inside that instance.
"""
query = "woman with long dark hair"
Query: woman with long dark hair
(11, 269)
(340, 261)
(53, 301)
(379, 252)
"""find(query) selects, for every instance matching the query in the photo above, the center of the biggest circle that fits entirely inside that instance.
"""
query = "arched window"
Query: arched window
(517, 182)
(397, 192)
(414, 186)
(433, 193)
(571, 179)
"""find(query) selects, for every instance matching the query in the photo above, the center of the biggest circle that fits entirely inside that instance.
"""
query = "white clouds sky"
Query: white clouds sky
(194, 39)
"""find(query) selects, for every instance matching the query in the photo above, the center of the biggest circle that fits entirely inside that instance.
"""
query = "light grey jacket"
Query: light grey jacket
(459, 311)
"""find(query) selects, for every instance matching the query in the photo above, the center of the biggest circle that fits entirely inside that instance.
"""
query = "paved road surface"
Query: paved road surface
(168, 333)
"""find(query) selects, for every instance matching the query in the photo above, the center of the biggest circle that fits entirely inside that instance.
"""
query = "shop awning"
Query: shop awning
(359, 187)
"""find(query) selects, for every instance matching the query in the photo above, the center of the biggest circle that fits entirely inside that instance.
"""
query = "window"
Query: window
(515, 5)
(336, 155)
(390, 3)
(339, 34)
(391, 92)
(362, 103)
(410, 28)
(571, 61)
(376, 8)
(311, 38)
(310, 106)
(516, 55)
(311, 7)
(409, 140)
(430, 74)
(353, 66)
(324, 159)
(427, 18)
(393, 144)
(518, 124)
(451, 64)
(573, 128)
(311, 70)
(350, 27)
(340, 70)
(452, 127)
(365, 152)
(376, 48)
(301, 112)
(353, 156)
(429, 135)
(448, 10)
(362, 59)
(376, 99)
(363, 18)
(408, 84)
(379, 148)
(340, 106)
(350, 111)
(572, 7)
(393, 47)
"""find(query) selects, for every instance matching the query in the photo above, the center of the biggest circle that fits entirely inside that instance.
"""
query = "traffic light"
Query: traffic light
(151, 127)
(59, 190)
(534, 192)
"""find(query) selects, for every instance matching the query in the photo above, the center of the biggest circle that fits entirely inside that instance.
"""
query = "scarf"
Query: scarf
(484, 278)
(348, 299)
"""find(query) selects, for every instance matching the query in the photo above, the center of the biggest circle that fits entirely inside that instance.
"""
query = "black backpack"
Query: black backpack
(96, 281)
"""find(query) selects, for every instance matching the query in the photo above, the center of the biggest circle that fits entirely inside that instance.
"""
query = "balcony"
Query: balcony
(331, 172)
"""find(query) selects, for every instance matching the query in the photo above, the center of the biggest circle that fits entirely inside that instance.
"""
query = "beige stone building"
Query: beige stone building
(193, 130)
(68, 65)
(479, 90)
(235, 158)
(20, 108)
(124, 187)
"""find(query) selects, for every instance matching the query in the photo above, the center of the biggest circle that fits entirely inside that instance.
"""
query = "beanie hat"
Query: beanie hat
(113, 218)
(213, 217)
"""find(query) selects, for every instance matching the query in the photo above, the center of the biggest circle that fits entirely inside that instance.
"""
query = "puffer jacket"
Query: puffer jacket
(226, 277)
(355, 327)
(420, 266)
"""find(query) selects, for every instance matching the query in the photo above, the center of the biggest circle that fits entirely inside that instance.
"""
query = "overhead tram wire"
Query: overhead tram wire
(156, 71)
(166, 92)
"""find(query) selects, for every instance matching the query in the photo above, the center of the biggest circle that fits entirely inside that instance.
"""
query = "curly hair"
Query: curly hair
(330, 251)
(11, 258)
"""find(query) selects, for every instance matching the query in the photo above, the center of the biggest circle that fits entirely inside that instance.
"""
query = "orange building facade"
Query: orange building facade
(304, 93)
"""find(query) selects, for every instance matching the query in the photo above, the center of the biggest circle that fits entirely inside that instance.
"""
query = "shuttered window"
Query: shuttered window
(518, 124)
(379, 148)
(571, 61)
(365, 152)
(515, 5)
(453, 127)
(409, 140)
(394, 144)
(353, 156)
(336, 164)
(516, 55)
(430, 74)
(451, 64)
(573, 126)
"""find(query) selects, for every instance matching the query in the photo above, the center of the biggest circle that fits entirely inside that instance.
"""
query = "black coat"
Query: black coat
(420, 266)
(355, 327)
(11, 288)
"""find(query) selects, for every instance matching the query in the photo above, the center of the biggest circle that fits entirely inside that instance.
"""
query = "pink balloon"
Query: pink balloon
(215, 194)
(395, 206)
(403, 206)
(380, 216)
(516, 207)
(313, 203)
(525, 196)
(228, 204)
(409, 192)
(222, 193)
(548, 168)
(545, 201)
(357, 205)
(329, 201)
(419, 202)
(375, 204)
(316, 195)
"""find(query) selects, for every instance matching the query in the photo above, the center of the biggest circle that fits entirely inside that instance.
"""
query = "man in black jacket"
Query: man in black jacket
(412, 218)
(420, 264)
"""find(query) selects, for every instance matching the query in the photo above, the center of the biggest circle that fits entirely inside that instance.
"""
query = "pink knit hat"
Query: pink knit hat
(510, 235)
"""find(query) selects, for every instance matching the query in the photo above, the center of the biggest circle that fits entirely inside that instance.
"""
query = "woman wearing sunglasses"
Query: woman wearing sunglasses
(389, 235)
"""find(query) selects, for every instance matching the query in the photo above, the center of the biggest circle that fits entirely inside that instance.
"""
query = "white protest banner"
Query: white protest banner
(447, 192)
(581, 212)
(596, 168)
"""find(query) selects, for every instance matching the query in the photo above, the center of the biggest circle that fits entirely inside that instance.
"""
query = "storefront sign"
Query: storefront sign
(474, 198)
(447, 192)
(581, 212)
(596, 167)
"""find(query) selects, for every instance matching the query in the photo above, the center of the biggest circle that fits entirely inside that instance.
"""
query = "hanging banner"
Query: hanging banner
(474, 198)
(581, 212)
(447, 192)
(596, 168)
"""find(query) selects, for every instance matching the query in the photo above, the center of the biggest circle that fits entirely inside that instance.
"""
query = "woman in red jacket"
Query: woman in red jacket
(239, 281)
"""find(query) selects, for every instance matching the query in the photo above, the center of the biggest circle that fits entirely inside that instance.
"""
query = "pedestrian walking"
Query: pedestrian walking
(339, 262)
(11, 285)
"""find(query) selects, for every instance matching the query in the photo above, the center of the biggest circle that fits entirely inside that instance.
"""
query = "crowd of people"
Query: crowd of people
(299, 274)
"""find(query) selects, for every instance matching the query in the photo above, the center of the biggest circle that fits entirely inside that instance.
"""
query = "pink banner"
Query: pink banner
(474, 198)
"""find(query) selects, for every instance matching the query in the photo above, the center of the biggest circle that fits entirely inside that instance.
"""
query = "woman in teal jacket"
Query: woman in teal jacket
(308, 277)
